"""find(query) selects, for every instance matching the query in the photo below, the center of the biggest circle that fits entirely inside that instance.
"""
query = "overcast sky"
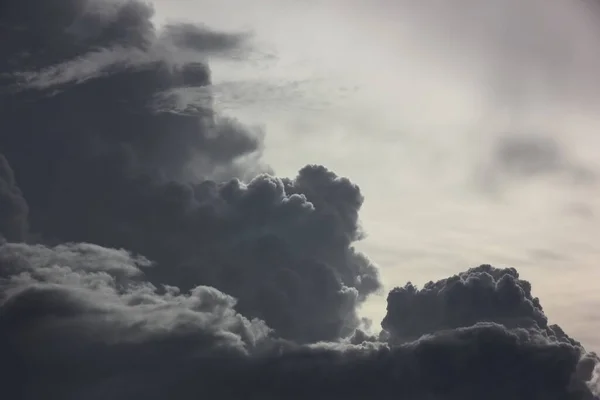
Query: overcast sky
(470, 126)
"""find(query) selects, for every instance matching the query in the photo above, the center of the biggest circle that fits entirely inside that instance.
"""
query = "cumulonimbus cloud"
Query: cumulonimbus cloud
(146, 254)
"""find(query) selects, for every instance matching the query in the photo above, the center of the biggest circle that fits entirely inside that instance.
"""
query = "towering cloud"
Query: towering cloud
(105, 152)
(482, 294)
(153, 259)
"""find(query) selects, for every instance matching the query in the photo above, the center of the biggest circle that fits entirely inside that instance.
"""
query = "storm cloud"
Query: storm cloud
(79, 321)
(148, 251)
(110, 168)
(482, 294)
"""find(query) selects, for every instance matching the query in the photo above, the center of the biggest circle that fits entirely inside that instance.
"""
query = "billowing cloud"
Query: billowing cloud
(110, 168)
(149, 255)
(482, 294)
(79, 321)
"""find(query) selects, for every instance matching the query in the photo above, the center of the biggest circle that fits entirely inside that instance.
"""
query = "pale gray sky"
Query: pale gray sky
(471, 127)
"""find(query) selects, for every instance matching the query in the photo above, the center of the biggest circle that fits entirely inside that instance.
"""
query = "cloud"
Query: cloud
(107, 36)
(149, 255)
(13, 207)
(523, 157)
(528, 155)
(191, 36)
(482, 294)
(110, 169)
(86, 332)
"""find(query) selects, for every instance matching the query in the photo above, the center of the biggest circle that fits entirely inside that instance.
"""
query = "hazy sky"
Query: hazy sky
(470, 127)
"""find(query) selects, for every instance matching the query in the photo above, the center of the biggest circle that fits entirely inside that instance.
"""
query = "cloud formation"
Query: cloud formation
(109, 168)
(521, 157)
(146, 254)
(79, 321)
(482, 294)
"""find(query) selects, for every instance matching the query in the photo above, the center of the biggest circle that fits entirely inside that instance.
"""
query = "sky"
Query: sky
(416, 103)
(299, 199)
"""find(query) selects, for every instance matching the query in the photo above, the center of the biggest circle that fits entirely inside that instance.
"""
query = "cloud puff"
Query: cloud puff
(520, 157)
(482, 294)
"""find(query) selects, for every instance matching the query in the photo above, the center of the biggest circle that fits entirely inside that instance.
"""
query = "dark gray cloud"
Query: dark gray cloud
(13, 207)
(110, 168)
(200, 38)
(80, 321)
(147, 256)
(482, 294)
